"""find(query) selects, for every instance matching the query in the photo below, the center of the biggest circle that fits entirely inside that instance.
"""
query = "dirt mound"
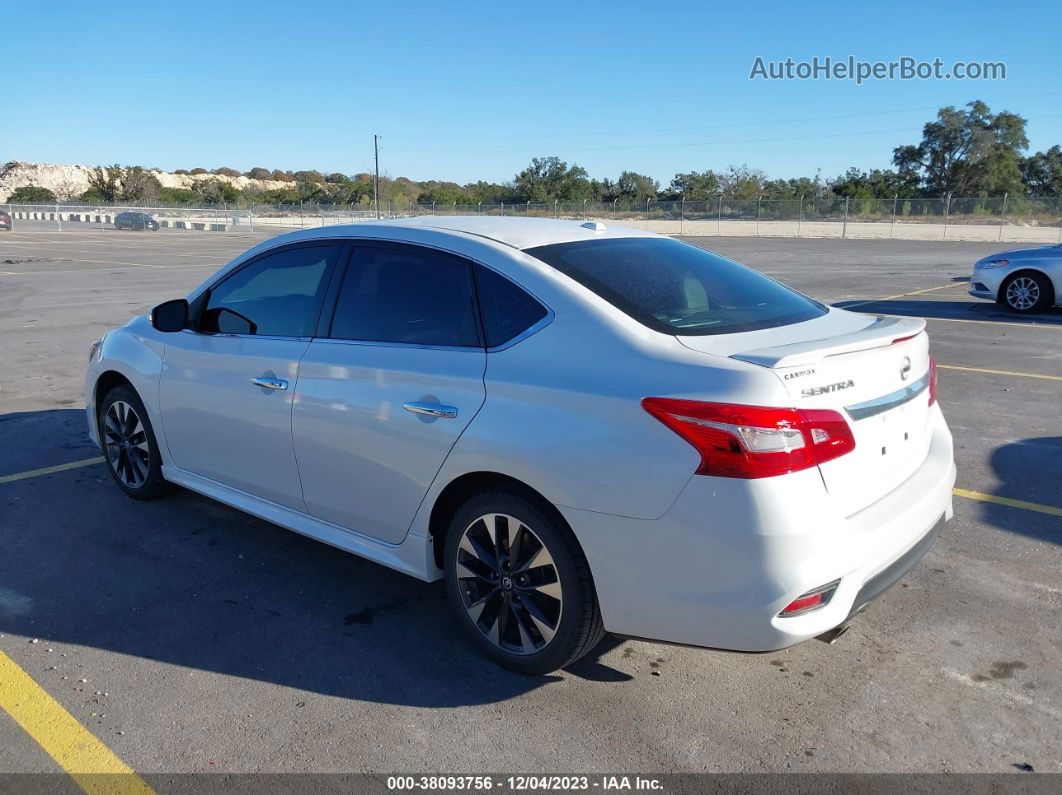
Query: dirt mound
(68, 182)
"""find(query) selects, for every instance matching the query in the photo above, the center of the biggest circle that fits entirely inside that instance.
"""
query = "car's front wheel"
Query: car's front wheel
(1026, 292)
(129, 445)
(520, 584)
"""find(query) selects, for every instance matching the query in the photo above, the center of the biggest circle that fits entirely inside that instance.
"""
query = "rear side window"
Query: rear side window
(676, 288)
(277, 295)
(406, 295)
(508, 310)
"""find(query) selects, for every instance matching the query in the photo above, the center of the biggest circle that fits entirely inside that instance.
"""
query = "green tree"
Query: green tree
(276, 196)
(875, 184)
(549, 179)
(435, 192)
(1042, 172)
(31, 194)
(488, 192)
(400, 192)
(309, 176)
(632, 186)
(695, 186)
(105, 183)
(216, 191)
(138, 185)
(177, 196)
(966, 152)
(225, 171)
(257, 173)
(742, 182)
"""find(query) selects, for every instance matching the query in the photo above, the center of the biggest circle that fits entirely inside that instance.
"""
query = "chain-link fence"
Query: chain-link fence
(1024, 219)
(1004, 219)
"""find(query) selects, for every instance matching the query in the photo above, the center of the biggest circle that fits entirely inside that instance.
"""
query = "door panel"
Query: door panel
(379, 406)
(227, 387)
(364, 460)
(219, 424)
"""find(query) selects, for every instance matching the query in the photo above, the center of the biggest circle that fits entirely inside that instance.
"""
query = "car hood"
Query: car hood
(1032, 252)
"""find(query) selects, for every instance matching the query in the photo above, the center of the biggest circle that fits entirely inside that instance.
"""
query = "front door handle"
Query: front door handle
(431, 409)
(270, 383)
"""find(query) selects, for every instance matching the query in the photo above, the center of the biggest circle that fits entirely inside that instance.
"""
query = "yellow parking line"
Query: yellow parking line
(1030, 324)
(93, 765)
(49, 470)
(904, 295)
(999, 372)
(1050, 510)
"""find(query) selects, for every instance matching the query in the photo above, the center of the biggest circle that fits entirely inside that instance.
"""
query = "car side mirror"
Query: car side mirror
(170, 315)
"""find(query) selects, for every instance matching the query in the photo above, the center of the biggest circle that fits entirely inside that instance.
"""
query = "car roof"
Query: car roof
(520, 233)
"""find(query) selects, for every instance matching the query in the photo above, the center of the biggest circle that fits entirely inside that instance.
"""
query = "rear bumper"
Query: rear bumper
(881, 582)
(722, 563)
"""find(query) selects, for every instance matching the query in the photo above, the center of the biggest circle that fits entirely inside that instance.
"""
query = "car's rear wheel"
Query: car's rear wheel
(129, 445)
(520, 584)
(1027, 292)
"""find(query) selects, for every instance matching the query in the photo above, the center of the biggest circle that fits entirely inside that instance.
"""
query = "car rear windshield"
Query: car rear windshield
(676, 288)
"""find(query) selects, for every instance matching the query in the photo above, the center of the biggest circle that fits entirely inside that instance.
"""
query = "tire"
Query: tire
(129, 445)
(525, 627)
(1026, 292)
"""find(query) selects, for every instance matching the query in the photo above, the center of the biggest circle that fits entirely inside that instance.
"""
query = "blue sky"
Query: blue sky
(468, 91)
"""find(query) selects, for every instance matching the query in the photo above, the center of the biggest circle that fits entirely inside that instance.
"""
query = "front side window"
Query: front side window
(676, 288)
(406, 295)
(277, 295)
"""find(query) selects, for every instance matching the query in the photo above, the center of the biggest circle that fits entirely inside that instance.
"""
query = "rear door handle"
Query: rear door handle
(431, 409)
(270, 383)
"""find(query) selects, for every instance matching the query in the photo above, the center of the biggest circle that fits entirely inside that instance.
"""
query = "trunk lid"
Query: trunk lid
(872, 370)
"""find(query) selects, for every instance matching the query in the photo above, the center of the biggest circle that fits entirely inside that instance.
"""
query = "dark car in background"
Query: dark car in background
(135, 220)
(5, 220)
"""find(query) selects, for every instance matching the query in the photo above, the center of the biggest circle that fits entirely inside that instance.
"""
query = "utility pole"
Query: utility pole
(376, 181)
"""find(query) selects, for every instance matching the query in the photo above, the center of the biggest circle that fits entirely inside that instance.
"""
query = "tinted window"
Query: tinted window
(406, 295)
(677, 288)
(507, 309)
(278, 293)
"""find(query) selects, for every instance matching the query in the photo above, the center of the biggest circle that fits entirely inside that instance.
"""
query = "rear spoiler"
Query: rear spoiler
(881, 332)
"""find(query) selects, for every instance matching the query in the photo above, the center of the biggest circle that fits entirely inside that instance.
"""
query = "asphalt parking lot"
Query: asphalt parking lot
(186, 636)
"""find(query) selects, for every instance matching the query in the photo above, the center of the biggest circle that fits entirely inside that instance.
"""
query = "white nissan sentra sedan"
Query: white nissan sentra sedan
(582, 428)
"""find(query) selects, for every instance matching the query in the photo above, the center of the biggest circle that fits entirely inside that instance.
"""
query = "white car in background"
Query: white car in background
(581, 428)
(1024, 280)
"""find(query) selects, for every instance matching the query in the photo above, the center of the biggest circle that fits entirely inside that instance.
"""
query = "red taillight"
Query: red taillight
(738, 441)
(932, 380)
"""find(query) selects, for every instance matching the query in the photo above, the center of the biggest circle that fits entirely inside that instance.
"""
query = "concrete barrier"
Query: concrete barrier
(708, 227)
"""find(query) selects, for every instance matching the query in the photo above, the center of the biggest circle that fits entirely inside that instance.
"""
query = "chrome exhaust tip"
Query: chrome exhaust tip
(832, 635)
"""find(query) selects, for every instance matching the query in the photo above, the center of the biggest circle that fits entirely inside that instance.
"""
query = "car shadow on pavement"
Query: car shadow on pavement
(187, 581)
(1029, 470)
(952, 310)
